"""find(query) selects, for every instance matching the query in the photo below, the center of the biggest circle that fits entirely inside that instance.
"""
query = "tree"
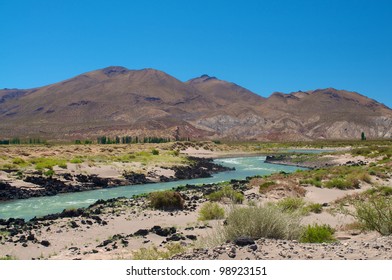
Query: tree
(363, 137)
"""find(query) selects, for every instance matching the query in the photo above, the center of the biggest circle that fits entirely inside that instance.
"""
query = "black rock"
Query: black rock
(163, 231)
(31, 237)
(175, 237)
(45, 243)
(191, 237)
(244, 241)
(141, 232)
(105, 243)
(73, 224)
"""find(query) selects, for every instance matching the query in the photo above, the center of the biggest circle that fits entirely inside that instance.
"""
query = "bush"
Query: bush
(155, 152)
(166, 200)
(313, 181)
(267, 221)
(153, 253)
(264, 186)
(49, 173)
(7, 258)
(76, 160)
(291, 204)
(48, 163)
(211, 211)
(375, 214)
(226, 192)
(315, 208)
(18, 161)
(317, 234)
(338, 183)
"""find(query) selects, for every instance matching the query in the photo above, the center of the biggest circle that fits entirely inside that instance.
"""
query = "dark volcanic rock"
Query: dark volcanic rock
(200, 168)
(136, 178)
(163, 231)
(45, 243)
(142, 232)
(244, 241)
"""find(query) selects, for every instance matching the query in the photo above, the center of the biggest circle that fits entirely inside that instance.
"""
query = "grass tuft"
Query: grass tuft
(318, 234)
(267, 221)
(211, 211)
(166, 200)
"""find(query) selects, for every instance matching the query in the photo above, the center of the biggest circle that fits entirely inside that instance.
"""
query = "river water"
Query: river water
(40, 206)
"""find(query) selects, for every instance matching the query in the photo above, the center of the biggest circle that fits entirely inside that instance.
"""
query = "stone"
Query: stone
(141, 232)
(45, 243)
(244, 241)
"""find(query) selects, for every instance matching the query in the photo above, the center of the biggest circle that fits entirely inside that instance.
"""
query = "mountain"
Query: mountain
(117, 101)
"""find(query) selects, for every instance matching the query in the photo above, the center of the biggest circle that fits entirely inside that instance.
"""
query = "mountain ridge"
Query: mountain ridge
(118, 101)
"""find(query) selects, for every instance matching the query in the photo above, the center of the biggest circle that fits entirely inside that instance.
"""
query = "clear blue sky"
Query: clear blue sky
(265, 46)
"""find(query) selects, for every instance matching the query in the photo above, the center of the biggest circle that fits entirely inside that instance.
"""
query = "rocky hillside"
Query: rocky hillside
(117, 101)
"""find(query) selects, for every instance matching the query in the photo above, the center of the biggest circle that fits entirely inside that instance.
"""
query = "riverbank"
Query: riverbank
(45, 171)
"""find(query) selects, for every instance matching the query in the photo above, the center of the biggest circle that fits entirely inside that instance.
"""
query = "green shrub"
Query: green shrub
(291, 204)
(7, 258)
(19, 161)
(49, 173)
(166, 200)
(386, 191)
(267, 221)
(338, 183)
(211, 211)
(317, 234)
(155, 152)
(48, 163)
(312, 181)
(315, 208)
(375, 213)
(76, 160)
(153, 253)
(226, 192)
(264, 186)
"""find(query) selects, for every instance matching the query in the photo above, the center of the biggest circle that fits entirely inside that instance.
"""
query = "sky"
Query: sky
(264, 46)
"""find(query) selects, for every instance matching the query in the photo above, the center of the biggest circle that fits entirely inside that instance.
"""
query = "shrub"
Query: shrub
(7, 258)
(76, 160)
(228, 192)
(291, 204)
(338, 183)
(313, 181)
(315, 208)
(264, 186)
(155, 152)
(211, 211)
(48, 163)
(153, 253)
(49, 173)
(18, 161)
(317, 234)
(267, 221)
(166, 200)
(375, 214)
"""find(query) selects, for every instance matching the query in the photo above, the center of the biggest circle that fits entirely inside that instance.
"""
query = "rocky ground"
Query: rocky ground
(362, 247)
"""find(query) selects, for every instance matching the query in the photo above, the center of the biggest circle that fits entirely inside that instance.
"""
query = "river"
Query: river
(40, 206)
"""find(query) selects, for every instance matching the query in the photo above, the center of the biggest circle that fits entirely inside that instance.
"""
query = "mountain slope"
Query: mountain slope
(117, 101)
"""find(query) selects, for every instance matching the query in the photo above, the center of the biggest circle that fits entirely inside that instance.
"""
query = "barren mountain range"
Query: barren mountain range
(117, 101)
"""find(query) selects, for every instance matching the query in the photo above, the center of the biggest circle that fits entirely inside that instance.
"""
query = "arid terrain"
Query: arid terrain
(326, 212)
(115, 101)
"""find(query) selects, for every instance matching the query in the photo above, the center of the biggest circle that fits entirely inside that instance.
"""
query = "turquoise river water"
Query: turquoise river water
(40, 206)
